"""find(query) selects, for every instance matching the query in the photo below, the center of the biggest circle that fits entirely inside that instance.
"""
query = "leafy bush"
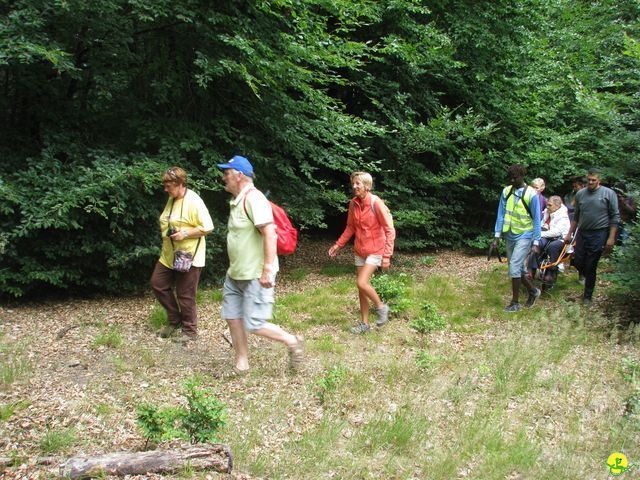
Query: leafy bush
(199, 422)
(626, 277)
(392, 289)
(429, 320)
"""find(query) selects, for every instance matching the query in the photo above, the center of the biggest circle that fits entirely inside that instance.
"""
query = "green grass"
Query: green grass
(546, 393)
(7, 410)
(157, 318)
(337, 269)
(109, 336)
(14, 364)
(297, 274)
(57, 441)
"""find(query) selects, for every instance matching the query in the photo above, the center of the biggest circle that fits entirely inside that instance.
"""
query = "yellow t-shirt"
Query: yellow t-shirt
(244, 241)
(187, 212)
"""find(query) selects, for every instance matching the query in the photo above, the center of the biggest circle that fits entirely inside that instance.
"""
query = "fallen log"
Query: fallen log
(215, 457)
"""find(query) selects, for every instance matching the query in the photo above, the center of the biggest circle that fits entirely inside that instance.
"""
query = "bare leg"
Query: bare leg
(277, 334)
(239, 337)
(365, 291)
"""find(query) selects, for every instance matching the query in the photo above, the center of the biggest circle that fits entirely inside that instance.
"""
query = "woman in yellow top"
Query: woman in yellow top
(184, 222)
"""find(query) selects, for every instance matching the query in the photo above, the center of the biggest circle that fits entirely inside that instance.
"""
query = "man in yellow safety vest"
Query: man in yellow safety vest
(519, 221)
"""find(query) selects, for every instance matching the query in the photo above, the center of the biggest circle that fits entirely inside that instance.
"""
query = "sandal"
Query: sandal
(296, 355)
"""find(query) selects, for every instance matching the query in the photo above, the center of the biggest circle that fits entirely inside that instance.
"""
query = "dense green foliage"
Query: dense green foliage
(434, 98)
(198, 422)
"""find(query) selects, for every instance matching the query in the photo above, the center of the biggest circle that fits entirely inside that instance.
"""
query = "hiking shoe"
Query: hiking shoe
(361, 328)
(586, 302)
(167, 331)
(581, 280)
(512, 307)
(533, 296)
(296, 355)
(383, 315)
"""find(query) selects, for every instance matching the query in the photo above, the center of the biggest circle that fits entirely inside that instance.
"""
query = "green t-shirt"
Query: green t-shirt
(244, 241)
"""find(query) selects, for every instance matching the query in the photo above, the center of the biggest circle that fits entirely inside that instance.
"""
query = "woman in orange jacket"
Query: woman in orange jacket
(370, 221)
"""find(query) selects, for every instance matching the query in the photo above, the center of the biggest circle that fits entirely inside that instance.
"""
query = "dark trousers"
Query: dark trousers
(553, 248)
(589, 246)
(181, 306)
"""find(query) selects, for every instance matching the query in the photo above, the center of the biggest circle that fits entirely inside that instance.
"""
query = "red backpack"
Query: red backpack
(287, 234)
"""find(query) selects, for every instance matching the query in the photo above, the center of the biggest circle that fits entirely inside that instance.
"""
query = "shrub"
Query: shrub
(199, 422)
(392, 289)
(429, 320)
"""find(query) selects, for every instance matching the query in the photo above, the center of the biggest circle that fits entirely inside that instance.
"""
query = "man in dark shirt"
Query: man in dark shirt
(596, 216)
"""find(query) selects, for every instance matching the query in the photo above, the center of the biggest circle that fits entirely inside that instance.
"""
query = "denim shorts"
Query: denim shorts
(517, 251)
(370, 260)
(249, 301)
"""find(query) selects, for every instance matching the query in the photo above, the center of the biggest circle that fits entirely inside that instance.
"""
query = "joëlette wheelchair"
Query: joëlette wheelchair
(544, 268)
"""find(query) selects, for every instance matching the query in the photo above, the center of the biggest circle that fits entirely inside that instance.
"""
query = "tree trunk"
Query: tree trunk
(199, 457)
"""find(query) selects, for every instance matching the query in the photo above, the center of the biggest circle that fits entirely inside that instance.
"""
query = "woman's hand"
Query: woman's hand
(333, 251)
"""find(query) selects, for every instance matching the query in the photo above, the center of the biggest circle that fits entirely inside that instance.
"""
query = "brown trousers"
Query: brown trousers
(181, 306)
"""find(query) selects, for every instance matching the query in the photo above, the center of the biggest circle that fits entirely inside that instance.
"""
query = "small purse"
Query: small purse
(182, 260)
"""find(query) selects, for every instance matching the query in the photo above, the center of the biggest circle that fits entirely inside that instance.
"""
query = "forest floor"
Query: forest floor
(548, 392)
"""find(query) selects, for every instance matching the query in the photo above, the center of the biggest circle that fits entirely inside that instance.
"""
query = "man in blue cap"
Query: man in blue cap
(248, 292)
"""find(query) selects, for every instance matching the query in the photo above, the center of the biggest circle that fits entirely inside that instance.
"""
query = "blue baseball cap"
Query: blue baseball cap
(240, 164)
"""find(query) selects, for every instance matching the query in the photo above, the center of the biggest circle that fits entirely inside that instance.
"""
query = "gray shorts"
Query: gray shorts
(517, 251)
(370, 260)
(247, 300)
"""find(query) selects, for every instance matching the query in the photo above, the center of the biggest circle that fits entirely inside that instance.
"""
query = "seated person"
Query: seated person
(554, 228)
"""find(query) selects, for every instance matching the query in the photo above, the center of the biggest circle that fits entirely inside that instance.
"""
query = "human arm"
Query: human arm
(346, 235)
(197, 222)
(269, 244)
(502, 206)
(614, 221)
(383, 215)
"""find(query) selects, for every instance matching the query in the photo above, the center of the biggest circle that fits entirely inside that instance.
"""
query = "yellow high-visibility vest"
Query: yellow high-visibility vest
(517, 217)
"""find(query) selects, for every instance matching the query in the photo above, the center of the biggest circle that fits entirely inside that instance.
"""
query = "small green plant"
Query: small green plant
(12, 369)
(426, 361)
(216, 295)
(199, 422)
(157, 318)
(393, 291)
(329, 382)
(427, 260)
(109, 337)
(104, 409)
(429, 320)
(57, 441)
(7, 410)
(631, 370)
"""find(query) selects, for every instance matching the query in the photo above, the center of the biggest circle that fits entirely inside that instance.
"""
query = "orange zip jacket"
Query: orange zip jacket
(373, 228)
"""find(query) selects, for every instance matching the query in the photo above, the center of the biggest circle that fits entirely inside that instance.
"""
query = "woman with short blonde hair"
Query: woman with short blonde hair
(370, 221)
